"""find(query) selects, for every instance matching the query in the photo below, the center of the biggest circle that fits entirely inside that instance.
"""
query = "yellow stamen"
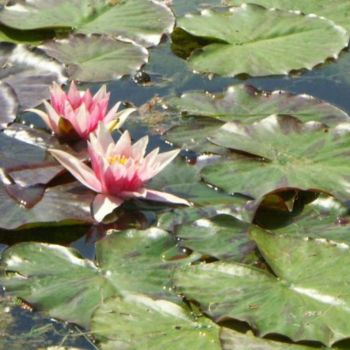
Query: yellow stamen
(118, 158)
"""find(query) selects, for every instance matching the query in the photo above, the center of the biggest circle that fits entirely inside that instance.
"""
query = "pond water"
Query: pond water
(168, 74)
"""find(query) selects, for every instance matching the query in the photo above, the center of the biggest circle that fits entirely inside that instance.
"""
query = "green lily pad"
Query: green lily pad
(247, 104)
(57, 280)
(306, 300)
(183, 180)
(204, 112)
(143, 21)
(66, 286)
(323, 218)
(222, 237)
(234, 340)
(336, 10)
(185, 216)
(285, 153)
(138, 322)
(285, 41)
(96, 58)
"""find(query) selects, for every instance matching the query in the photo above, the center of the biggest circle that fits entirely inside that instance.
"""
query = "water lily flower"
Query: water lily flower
(118, 170)
(77, 113)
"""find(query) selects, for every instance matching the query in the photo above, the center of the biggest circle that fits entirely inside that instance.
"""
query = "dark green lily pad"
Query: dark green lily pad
(138, 322)
(183, 180)
(336, 10)
(306, 301)
(66, 286)
(222, 237)
(143, 21)
(96, 58)
(285, 153)
(185, 216)
(323, 218)
(231, 340)
(57, 280)
(308, 40)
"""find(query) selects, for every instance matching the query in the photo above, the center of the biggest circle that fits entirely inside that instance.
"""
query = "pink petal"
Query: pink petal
(112, 114)
(103, 205)
(101, 139)
(138, 149)
(101, 93)
(123, 146)
(165, 197)
(47, 120)
(163, 159)
(78, 169)
(141, 193)
(58, 96)
(74, 95)
(81, 121)
(87, 99)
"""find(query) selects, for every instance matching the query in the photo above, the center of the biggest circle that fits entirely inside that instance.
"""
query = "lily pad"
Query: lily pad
(336, 10)
(61, 283)
(57, 280)
(170, 220)
(96, 58)
(247, 104)
(234, 340)
(281, 153)
(285, 41)
(306, 300)
(8, 105)
(183, 180)
(138, 322)
(27, 206)
(204, 113)
(143, 21)
(323, 218)
(222, 237)
(29, 73)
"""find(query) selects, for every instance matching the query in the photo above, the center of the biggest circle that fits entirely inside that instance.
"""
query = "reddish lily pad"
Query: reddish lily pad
(29, 73)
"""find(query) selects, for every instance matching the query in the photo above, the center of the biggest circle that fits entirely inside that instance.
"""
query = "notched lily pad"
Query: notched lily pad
(66, 286)
(203, 113)
(324, 218)
(138, 322)
(142, 21)
(222, 237)
(281, 153)
(335, 10)
(247, 104)
(96, 58)
(306, 300)
(308, 39)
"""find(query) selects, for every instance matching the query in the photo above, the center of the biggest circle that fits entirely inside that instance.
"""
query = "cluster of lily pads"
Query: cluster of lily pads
(242, 242)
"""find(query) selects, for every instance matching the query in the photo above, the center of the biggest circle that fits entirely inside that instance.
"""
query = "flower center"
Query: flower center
(118, 158)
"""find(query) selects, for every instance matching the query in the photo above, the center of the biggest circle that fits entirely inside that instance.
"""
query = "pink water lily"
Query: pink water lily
(76, 114)
(119, 170)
